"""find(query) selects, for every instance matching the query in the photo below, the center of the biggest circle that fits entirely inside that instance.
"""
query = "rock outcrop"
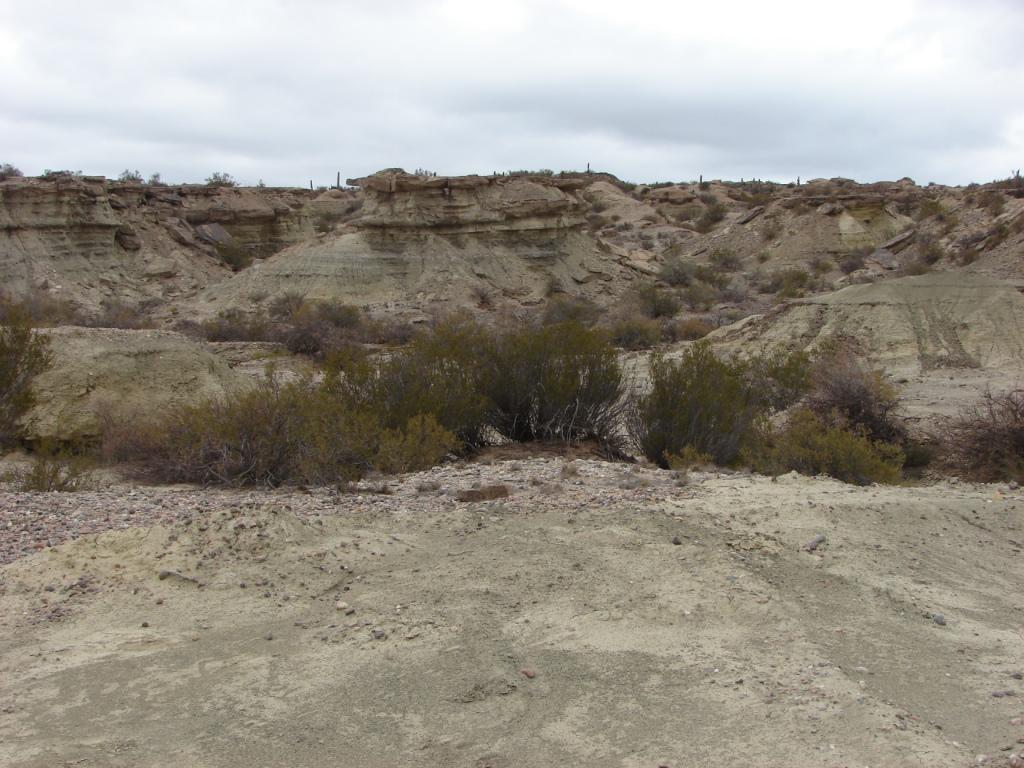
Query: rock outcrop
(442, 242)
(97, 370)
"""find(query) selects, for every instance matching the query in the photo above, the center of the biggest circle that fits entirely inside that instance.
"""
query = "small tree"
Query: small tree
(155, 180)
(130, 176)
(23, 355)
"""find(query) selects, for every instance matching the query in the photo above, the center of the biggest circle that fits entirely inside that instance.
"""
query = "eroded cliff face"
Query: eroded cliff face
(87, 239)
(422, 243)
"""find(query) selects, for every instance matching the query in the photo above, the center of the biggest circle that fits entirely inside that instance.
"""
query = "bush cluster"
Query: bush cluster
(24, 354)
(986, 441)
(451, 390)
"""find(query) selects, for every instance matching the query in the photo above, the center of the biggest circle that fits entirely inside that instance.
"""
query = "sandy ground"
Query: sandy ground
(600, 615)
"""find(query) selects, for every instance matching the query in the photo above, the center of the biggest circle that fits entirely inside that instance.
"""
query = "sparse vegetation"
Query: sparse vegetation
(636, 333)
(654, 302)
(130, 176)
(986, 441)
(8, 171)
(24, 354)
(564, 309)
(725, 259)
(221, 179)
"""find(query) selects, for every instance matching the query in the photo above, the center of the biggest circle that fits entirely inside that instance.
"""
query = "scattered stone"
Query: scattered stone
(816, 542)
(486, 493)
(269, 636)
(939, 619)
(676, 540)
(145, 624)
(529, 674)
(378, 634)
(341, 605)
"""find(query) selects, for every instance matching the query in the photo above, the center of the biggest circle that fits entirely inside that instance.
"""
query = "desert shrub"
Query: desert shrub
(993, 201)
(916, 267)
(269, 435)
(700, 296)
(845, 392)
(854, 260)
(699, 402)
(708, 198)
(130, 176)
(781, 378)
(636, 333)
(708, 274)
(154, 180)
(24, 354)
(286, 305)
(820, 265)
(712, 215)
(930, 249)
(115, 313)
(677, 272)
(234, 255)
(654, 302)
(221, 179)
(771, 229)
(690, 329)
(442, 373)
(812, 447)
(570, 309)
(788, 283)
(56, 469)
(929, 207)
(40, 309)
(558, 382)
(422, 444)
(8, 171)
(986, 441)
(235, 325)
(725, 259)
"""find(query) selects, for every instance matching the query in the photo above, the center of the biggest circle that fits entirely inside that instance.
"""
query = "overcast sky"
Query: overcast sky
(649, 90)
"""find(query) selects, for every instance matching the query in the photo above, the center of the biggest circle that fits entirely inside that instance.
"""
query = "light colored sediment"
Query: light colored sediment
(736, 646)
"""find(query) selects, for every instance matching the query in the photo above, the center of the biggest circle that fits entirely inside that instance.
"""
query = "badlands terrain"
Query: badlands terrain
(521, 607)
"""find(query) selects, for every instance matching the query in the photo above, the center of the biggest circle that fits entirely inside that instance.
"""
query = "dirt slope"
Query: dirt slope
(560, 626)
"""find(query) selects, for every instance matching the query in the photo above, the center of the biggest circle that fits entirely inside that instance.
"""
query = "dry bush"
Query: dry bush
(62, 469)
(690, 329)
(654, 302)
(725, 259)
(677, 272)
(845, 392)
(854, 260)
(788, 283)
(636, 333)
(233, 325)
(986, 442)
(8, 171)
(24, 354)
(712, 215)
(286, 305)
(565, 309)
(700, 296)
(993, 201)
(115, 313)
(810, 446)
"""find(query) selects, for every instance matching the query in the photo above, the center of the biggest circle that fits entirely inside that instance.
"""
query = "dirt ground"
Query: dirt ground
(601, 615)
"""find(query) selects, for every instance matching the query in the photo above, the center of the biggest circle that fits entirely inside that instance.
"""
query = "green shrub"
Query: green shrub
(812, 447)
(559, 382)
(24, 354)
(654, 302)
(698, 402)
(789, 283)
(676, 272)
(234, 255)
(286, 305)
(986, 441)
(636, 333)
(422, 444)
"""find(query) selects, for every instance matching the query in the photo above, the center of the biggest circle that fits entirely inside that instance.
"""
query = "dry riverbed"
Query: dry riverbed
(599, 615)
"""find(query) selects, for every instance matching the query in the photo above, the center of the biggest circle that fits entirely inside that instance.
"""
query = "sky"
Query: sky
(286, 91)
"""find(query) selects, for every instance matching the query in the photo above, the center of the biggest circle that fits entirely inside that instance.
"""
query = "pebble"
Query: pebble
(939, 619)
(378, 634)
(145, 624)
(529, 674)
(676, 540)
(341, 605)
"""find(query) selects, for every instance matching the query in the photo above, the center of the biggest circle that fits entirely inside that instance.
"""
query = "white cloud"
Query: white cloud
(650, 89)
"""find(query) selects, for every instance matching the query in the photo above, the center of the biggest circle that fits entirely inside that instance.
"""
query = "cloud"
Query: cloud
(651, 89)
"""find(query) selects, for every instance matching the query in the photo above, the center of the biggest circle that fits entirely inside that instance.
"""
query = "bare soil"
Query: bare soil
(601, 615)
